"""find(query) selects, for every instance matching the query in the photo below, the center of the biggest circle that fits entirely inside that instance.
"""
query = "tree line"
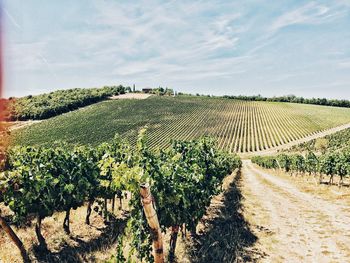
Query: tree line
(57, 102)
(160, 91)
(294, 99)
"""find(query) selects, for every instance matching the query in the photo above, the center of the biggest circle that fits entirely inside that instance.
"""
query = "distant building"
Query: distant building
(147, 90)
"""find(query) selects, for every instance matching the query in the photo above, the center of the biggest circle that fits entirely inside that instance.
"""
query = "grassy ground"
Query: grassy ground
(238, 125)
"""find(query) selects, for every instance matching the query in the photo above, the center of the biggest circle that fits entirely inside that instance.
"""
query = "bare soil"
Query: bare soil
(223, 234)
(14, 125)
(96, 242)
(294, 225)
(137, 96)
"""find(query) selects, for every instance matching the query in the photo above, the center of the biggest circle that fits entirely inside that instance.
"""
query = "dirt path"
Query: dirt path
(137, 96)
(293, 226)
(20, 124)
(296, 142)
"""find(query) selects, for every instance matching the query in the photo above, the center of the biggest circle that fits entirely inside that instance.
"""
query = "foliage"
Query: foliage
(160, 91)
(54, 103)
(42, 180)
(311, 163)
(294, 99)
(332, 163)
(333, 142)
(183, 180)
(321, 144)
(268, 162)
(238, 126)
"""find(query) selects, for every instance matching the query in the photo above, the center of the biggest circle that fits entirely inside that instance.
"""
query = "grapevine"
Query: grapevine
(39, 181)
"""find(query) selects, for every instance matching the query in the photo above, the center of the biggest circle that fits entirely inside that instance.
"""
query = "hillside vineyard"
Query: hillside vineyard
(241, 126)
(238, 126)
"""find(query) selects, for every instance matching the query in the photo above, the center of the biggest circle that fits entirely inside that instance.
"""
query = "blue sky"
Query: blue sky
(211, 47)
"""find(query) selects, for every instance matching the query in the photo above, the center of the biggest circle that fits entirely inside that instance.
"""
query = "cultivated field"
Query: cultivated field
(246, 222)
(239, 126)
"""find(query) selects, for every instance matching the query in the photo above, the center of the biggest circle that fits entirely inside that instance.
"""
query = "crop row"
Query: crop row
(330, 164)
(38, 181)
(238, 126)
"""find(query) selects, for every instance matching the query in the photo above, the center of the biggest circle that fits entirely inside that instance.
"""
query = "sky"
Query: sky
(207, 47)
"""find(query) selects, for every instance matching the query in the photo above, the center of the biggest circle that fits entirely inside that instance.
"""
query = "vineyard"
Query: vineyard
(334, 142)
(74, 162)
(174, 131)
(332, 164)
(38, 182)
(238, 126)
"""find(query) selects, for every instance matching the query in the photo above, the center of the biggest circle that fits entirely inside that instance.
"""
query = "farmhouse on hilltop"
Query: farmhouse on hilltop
(147, 90)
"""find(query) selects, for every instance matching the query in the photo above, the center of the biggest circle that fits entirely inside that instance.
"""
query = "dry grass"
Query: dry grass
(94, 243)
(223, 233)
(14, 125)
(254, 214)
(310, 184)
(302, 221)
(137, 96)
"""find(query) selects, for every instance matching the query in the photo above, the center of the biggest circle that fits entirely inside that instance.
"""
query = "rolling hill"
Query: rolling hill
(238, 126)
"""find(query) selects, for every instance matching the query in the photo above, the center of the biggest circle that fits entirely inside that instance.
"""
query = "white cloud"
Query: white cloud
(345, 63)
(179, 43)
(24, 56)
(311, 13)
(12, 19)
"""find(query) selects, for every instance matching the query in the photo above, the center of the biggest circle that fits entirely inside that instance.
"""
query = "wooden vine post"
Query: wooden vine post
(152, 220)
(8, 230)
